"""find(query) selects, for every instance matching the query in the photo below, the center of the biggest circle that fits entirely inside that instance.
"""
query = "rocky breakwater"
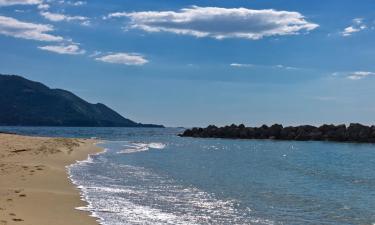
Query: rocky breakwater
(340, 133)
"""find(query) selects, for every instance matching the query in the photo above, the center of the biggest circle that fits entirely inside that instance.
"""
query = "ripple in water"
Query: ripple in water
(126, 194)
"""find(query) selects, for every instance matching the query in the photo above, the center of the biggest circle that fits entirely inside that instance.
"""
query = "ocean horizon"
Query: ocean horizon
(152, 176)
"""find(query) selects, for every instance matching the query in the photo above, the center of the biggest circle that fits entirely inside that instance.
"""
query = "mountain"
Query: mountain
(28, 103)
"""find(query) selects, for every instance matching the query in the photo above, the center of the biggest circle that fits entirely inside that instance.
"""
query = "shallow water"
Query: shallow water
(151, 176)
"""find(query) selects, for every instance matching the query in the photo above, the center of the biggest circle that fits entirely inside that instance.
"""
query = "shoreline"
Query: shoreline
(82, 195)
(35, 185)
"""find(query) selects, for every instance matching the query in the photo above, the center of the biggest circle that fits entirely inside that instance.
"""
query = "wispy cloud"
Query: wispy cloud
(57, 17)
(39, 32)
(71, 49)
(43, 6)
(286, 67)
(220, 23)
(279, 66)
(358, 75)
(77, 3)
(72, 3)
(39, 3)
(357, 26)
(19, 2)
(241, 65)
(132, 59)
(25, 30)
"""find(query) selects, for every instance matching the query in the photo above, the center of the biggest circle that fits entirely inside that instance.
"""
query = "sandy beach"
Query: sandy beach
(34, 185)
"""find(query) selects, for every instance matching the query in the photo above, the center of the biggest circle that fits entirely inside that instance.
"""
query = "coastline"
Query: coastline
(35, 186)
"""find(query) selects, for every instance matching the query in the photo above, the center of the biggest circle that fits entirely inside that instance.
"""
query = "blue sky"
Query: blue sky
(194, 63)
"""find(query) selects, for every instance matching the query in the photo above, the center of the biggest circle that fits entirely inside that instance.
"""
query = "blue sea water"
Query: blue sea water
(152, 176)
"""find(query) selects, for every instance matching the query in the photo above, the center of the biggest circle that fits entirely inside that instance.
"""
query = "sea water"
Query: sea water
(152, 176)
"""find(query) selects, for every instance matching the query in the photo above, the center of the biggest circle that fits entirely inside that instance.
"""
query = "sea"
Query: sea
(152, 176)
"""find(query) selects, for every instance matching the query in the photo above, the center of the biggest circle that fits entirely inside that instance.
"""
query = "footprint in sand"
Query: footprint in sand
(39, 167)
(22, 195)
(12, 214)
(17, 220)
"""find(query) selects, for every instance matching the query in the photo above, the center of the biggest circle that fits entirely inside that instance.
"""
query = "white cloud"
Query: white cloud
(25, 30)
(57, 17)
(40, 3)
(285, 67)
(72, 3)
(241, 65)
(71, 49)
(358, 75)
(220, 23)
(124, 58)
(43, 6)
(77, 3)
(357, 26)
(19, 2)
(263, 66)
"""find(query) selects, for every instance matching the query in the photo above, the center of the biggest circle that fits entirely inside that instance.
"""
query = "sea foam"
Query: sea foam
(140, 147)
(119, 194)
(126, 204)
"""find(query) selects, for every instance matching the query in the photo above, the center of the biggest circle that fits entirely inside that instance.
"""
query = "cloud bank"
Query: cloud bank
(220, 23)
(123, 58)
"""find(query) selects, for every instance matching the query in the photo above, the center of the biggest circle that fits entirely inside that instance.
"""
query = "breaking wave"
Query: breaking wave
(140, 147)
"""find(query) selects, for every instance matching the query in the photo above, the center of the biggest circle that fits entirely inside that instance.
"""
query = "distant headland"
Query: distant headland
(355, 132)
(28, 103)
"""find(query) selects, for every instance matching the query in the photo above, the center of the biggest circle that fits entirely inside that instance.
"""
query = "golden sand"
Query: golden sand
(34, 186)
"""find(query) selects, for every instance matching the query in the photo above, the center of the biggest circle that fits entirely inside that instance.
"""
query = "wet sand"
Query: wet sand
(34, 184)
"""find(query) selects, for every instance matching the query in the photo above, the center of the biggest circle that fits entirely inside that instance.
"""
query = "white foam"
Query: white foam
(83, 195)
(141, 147)
(149, 198)
(145, 203)
(157, 145)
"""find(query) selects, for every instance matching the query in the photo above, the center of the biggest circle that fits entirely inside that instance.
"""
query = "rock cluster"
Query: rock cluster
(341, 133)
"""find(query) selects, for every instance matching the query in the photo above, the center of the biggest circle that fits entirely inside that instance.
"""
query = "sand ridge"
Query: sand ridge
(34, 185)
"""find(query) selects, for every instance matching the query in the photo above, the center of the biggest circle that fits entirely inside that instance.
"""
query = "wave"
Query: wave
(142, 196)
(140, 147)
(119, 194)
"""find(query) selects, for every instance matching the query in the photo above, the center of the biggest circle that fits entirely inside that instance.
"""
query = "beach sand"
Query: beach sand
(34, 184)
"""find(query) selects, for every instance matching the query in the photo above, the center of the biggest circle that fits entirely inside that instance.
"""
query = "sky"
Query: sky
(195, 63)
